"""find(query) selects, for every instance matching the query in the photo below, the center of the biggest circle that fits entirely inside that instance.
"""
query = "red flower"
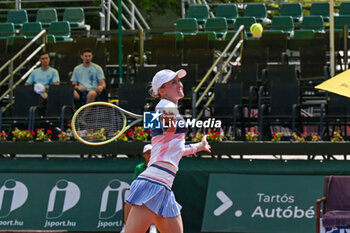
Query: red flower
(149, 130)
(142, 133)
(32, 132)
(28, 131)
(69, 125)
(130, 134)
(49, 131)
(91, 130)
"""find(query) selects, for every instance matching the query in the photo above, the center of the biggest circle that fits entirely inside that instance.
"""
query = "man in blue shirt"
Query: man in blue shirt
(44, 75)
(88, 78)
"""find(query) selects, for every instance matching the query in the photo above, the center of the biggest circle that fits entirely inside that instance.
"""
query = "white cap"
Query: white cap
(40, 89)
(146, 148)
(165, 76)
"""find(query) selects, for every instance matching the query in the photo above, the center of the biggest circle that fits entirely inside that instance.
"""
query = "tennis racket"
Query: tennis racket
(99, 123)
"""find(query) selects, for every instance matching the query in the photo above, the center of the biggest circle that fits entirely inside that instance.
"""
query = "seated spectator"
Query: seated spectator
(44, 76)
(88, 78)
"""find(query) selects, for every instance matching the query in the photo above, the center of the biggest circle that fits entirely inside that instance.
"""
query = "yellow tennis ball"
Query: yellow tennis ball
(256, 29)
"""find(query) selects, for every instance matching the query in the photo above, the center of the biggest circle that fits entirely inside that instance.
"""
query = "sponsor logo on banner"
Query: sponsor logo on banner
(13, 195)
(63, 196)
(112, 203)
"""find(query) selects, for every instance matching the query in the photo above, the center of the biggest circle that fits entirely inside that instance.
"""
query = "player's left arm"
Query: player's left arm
(196, 147)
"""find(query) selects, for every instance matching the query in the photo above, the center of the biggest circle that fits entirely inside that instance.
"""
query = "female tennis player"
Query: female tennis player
(151, 196)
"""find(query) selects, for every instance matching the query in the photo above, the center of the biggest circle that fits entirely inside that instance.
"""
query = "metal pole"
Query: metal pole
(18, 4)
(132, 17)
(141, 35)
(331, 37)
(103, 16)
(11, 82)
(120, 41)
(346, 31)
(183, 9)
(108, 26)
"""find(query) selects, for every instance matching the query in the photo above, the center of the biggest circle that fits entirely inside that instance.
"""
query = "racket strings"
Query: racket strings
(99, 123)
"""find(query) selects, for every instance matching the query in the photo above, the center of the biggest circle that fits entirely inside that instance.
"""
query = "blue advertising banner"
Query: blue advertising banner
(261, 203)
(74, 202)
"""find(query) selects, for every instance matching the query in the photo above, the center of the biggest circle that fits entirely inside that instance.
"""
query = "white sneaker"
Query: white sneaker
(123, 229)
(152, 229)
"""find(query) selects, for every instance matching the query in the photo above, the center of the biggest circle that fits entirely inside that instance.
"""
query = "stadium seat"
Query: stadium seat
(30, 30)
(216, 25)
(145, 74)
(17, 17)
(281, 24)
(314, 23)
(59, 106)
(187, 26)
(212, 36)
(198, 41)
(199, 12)
(335, 211)
(313, 61)
(204, 58)
(340, 21)
(134, 100)
(82, 43)
(3, 49)
(178, 35)
(60, 30)
(246, 22)
(282, 108)
(304, 34)
(163, 42)
(228, 105)
(279, 73)
(229, 35)
(344, 8)
(76, 18)
(336, 114)
(257, 10)
(277, 45)
(7, 30)
(64, 59)
(292, 9)
(25, 98)
(169, 57)
(320, 8)
(228, 11)
(129, 43)
(46, 16)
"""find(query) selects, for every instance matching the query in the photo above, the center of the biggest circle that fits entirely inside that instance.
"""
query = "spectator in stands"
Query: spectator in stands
(138, 170)
(88, 78)
(44, 76)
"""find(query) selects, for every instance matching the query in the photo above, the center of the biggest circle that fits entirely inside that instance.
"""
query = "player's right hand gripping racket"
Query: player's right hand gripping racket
(99, 123)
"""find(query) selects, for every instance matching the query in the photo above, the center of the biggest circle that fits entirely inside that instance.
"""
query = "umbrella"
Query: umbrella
(339, 84)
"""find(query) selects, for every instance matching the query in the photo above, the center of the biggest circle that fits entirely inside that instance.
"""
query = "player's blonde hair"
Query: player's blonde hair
(151, 92)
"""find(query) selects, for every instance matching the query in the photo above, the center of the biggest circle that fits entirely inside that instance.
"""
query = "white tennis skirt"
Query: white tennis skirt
(156, 196)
